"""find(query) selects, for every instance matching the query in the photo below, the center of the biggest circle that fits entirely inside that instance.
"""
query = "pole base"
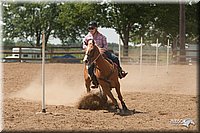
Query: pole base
(43, 110)
(43, 113)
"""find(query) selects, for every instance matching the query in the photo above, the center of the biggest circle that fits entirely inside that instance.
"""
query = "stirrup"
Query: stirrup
(95, 83)
(122, 74)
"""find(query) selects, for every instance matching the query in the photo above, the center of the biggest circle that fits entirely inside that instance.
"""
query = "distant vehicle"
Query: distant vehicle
(25, 55)
(67, 58)
(139, 44)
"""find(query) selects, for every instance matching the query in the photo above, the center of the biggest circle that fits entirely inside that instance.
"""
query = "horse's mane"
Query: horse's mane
(106, 61)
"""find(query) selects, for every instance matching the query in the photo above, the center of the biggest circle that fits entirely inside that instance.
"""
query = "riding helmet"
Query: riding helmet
(92, 24)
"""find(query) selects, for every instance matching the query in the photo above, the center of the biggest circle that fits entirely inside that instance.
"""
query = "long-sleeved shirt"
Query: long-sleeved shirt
(99, 39)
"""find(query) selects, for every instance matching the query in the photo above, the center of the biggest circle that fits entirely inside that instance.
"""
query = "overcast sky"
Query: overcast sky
(110, 34)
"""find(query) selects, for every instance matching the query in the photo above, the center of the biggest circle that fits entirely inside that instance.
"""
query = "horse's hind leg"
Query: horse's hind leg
(124, 107)
(107, 91)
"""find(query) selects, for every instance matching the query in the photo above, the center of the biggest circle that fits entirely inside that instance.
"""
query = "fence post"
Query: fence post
(20, 54)
(51, 52)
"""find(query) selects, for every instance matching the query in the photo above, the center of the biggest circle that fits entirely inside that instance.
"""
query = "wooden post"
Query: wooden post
(20, 54)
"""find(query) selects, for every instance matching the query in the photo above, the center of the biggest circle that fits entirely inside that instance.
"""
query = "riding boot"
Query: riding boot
(95, 82)
(121, 73)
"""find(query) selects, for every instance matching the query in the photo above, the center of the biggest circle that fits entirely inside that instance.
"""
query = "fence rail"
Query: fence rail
(191, 55)
(50, 53)
(148, 55)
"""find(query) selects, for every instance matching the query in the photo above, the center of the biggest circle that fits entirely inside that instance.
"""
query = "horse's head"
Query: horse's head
(92, 53)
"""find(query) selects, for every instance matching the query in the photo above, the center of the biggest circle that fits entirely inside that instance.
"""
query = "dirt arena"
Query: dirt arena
(160, 99)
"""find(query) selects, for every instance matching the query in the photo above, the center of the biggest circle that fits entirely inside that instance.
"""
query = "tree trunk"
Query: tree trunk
(38, 34)
(47, 36)
(182, 33)
(125, 50)
(126, 40)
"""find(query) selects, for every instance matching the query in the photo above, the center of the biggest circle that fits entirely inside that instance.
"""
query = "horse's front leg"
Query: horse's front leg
(87, 80)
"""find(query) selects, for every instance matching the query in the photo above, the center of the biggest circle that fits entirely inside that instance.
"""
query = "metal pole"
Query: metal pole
(167, 54)
(156, 55)
(43, 73)
(1, 76)
(141, 55)
(119, 55)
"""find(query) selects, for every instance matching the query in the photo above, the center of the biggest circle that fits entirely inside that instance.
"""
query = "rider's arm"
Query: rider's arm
(104, 41)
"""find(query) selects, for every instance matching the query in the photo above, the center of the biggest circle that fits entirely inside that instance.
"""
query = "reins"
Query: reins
(96, 59)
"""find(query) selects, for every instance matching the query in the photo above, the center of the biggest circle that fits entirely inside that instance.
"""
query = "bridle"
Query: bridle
(88, 57)
(94, 59)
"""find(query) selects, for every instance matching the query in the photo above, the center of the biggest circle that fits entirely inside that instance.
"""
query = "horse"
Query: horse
(106, 73)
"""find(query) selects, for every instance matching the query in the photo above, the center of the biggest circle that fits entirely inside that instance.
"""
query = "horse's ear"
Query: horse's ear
(93, 42)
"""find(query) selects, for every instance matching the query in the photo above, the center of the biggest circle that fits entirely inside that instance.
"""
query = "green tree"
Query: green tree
(26, 21)
(73, 21)
(128, 20)
(8, 42)
(192, 19)
(167, 20)
(68, 21)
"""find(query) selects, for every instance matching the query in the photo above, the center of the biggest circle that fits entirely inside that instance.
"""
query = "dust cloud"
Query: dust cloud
(60, 88)
(177, 80)
(65, 82)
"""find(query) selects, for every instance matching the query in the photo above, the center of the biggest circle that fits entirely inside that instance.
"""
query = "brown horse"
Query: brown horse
(106, 73)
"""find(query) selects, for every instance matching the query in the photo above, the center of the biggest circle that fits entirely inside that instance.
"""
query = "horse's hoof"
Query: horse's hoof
(117, 112)
(123, 111)
(127, 112)
(125, 108)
